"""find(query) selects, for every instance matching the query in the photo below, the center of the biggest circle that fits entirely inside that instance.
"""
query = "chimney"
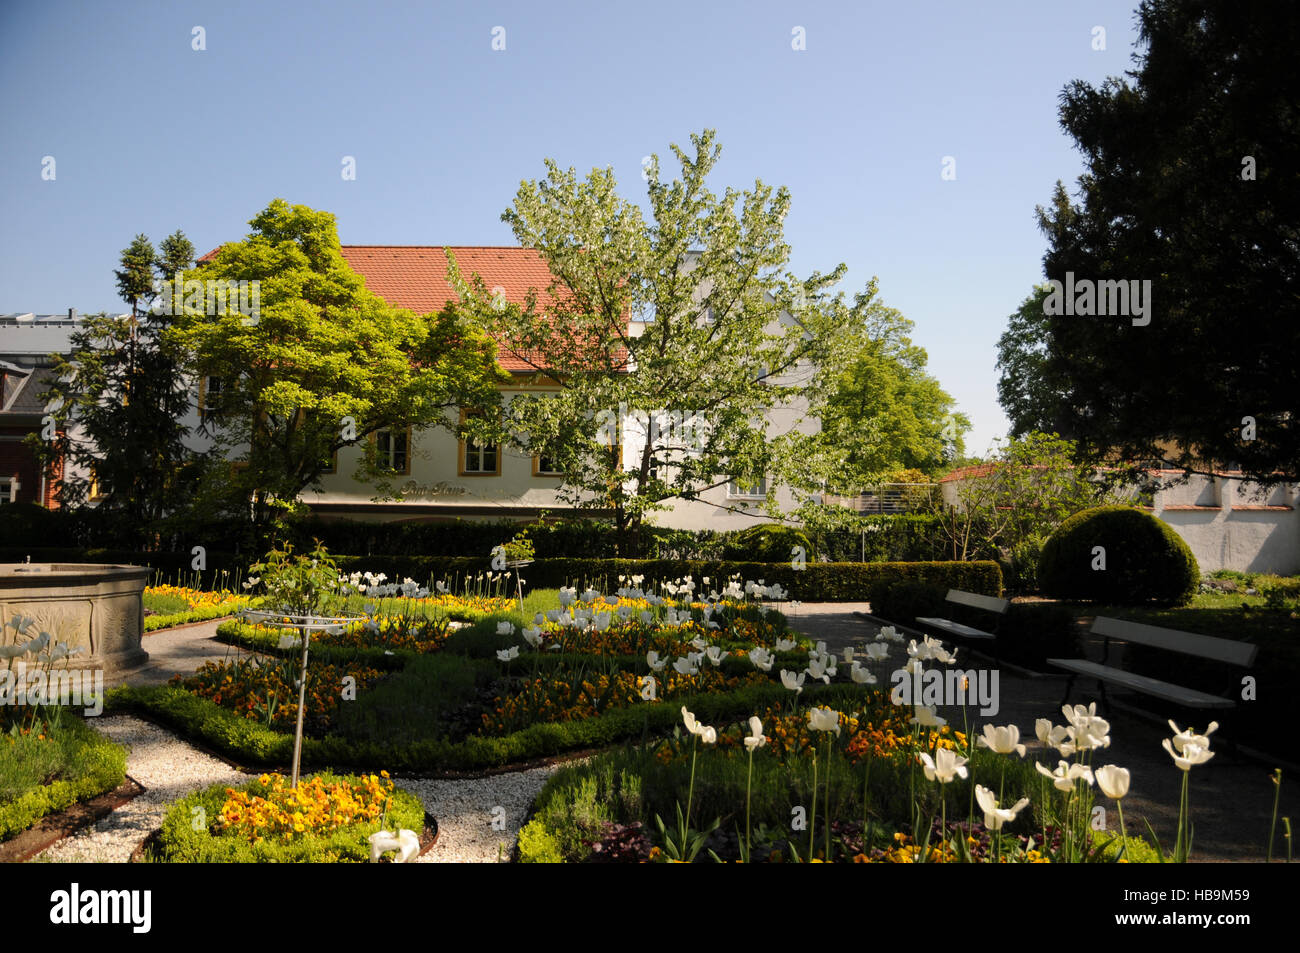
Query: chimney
(72, 314)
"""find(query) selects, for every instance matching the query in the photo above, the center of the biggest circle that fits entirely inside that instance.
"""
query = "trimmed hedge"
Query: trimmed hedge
(179, 842)
(1145, 560)
(817, 582)
(101, 765)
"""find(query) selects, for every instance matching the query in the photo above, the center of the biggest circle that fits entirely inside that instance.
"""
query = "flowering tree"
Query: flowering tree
(688, 317)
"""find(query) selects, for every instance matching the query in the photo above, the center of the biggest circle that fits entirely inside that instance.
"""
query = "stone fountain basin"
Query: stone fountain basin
(98, 607)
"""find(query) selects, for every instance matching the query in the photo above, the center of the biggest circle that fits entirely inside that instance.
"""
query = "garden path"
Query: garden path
(478, 819)
(1231, 800)
(178, 651)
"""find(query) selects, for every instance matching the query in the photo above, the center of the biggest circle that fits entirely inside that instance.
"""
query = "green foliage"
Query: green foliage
(84, 764)
(538, 846)
(768, 542)
(904, 601)
(569, 806)
(1145, 559)
(180, 843)
(708, 276)
(1210, 99)
(1027, 489)
(250, 742)
(119, 401)
(323, 350)
(880, 410)
(817, 582)
(296, 585)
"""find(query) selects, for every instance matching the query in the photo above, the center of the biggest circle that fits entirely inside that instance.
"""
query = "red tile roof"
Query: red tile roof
(415, 277)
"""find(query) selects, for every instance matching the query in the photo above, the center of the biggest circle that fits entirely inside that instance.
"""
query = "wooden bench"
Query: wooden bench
(1187, 643)
(976, 601)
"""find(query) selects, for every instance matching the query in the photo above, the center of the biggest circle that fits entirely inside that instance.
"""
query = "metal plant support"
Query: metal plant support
(305, 624)
(516, 565)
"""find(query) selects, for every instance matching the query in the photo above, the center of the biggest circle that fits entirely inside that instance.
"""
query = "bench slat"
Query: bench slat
(977, 601)
(956, 628)
(1188, 643)
(1141, 683)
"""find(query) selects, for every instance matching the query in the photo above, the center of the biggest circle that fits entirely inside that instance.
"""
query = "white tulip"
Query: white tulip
(1005, 740)
(824, 719)
(944, 766)
(755, 739)
(995, 817)
(789, 681)
(1113, 781)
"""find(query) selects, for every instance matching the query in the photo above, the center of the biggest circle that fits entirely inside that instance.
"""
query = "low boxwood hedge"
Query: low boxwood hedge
(100, 767)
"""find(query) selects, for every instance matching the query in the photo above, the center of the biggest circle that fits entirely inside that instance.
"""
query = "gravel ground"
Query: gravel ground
(166, 766)
(478, 819)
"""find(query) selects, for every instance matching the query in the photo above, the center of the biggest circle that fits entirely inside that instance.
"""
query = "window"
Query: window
(210, 389)
(96, 491)
(545, 466)
(8, 489)
(393, 449)
(748, 490)
(480, 458)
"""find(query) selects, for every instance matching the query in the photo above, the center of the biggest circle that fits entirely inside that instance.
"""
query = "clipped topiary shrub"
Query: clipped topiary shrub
(1140, 559)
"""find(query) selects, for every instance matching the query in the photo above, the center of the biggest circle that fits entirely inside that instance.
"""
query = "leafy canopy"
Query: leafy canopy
(325, 363)
(688, 320)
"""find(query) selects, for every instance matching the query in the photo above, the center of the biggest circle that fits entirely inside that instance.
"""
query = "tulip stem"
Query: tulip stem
(749, 783)
(1277, 794)
(828, 797)
(812, 826)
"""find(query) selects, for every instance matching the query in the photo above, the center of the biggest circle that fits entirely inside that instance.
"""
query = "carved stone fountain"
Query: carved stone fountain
(97, 607)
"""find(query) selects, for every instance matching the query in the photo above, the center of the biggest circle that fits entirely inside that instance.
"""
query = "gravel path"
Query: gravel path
(166, 766)
(478, 819)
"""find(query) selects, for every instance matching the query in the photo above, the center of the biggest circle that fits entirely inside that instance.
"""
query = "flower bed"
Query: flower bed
(167, 606)
(264, 690)
(329, 818)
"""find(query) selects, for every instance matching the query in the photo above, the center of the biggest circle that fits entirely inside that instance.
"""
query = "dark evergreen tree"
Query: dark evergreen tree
(1191, 184)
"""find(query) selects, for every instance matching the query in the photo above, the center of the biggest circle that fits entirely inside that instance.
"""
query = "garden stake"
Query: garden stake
(302, 704)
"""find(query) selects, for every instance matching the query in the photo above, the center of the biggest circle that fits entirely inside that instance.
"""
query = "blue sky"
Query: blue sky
(149, 135)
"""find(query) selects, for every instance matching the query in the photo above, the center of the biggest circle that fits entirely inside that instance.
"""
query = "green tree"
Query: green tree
(675, 321)
(1021, 493)
(324, 363)
(120, 401)
(880, 410)
(1190, 184)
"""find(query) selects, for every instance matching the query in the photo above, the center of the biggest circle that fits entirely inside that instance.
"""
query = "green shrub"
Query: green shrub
(537, 846)
(1145, 560)
(768, 543)
(179, 842)
(1023, 577)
